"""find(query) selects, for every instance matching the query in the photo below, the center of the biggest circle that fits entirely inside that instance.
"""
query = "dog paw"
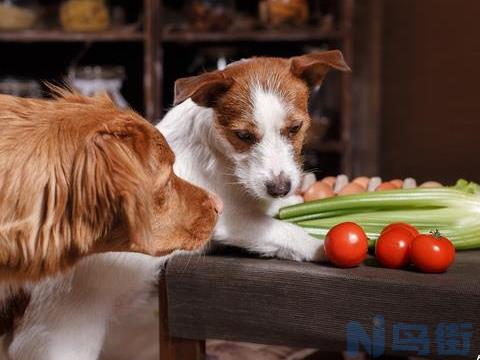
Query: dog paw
(276, 205)
(314, 250)
(302, 247)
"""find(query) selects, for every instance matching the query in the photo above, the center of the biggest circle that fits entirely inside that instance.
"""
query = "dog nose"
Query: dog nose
(217, 203)
(278, 186)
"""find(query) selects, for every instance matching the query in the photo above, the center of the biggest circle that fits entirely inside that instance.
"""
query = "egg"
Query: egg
(397, 182)
(307, 181)
(352, 188)
(319, 190)
(362, 181)
(340, 183)
(409, 183)
(431, 184)
(386, 186)
(373, 183)
(330, 180)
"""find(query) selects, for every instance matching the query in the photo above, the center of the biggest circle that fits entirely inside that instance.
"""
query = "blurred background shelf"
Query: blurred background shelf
(159, 41)
(253, 35)
(62, 36)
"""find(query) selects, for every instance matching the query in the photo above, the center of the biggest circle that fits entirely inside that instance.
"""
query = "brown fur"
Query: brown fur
(229, 92)
(78, 176)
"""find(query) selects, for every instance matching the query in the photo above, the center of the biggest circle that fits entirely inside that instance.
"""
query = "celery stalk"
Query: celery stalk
(455, 211)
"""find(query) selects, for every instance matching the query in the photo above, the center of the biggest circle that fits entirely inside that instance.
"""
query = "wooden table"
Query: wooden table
(272, 301)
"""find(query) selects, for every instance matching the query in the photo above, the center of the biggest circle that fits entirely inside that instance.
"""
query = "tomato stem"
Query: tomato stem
(436, 234)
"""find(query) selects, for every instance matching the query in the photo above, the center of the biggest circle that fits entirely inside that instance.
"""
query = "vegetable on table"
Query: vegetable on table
(432, 253)
(392, 248)
(455, 211)
(346, 245)
(411, 229)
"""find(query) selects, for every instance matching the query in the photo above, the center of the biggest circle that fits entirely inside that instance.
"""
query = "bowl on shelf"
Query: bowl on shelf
(22, 87)
(209, 15)
(18, 14)
(280, 13)
(96, 79)
(84, 15)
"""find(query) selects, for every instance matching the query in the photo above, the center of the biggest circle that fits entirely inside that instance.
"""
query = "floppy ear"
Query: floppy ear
(313, 67)
(110, 185)
(204, 89)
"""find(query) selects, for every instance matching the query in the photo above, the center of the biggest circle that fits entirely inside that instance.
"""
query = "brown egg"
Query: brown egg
(319, 190)
(431, 184)
(397, 182)
(362, 181)
(330, 180)
(352, 188)
(386, 186)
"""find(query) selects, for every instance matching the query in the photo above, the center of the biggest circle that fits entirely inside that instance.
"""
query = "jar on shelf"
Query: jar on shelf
(84, 15)
(20, 87)
(18, 14)
(93, 80)
(205, 15)
(278, 13)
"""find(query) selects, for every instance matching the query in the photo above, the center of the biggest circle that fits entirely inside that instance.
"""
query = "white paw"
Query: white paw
(282, 202)
(301, 247)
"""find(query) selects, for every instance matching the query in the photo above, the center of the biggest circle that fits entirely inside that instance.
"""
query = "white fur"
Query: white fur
(273, 154)
(206, 158)
(107, 300)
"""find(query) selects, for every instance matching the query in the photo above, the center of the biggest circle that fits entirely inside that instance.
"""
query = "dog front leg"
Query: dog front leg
(56, 338)
(270, 237)
(64, 321)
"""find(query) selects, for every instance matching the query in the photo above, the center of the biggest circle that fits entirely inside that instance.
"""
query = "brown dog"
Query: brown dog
(79, 176)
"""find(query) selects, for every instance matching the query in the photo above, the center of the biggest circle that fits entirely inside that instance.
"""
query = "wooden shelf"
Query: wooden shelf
(252, 35)
(62, 36)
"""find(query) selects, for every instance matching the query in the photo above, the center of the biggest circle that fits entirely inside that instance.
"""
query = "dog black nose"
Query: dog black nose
(278, 186)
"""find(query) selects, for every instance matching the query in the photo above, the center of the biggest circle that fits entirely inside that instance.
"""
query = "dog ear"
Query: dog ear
(313, 67)
(204, 89)
(111, 185)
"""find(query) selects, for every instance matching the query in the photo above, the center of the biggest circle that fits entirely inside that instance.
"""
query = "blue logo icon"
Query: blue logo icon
(451, 339)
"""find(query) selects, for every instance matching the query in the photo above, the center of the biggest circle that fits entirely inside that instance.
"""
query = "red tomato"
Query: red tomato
(412, 229)
(346, 245)
(432, 253)
(392, 248)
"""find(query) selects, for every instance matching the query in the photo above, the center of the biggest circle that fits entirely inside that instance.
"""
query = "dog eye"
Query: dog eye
(294, 129)
(246, 136)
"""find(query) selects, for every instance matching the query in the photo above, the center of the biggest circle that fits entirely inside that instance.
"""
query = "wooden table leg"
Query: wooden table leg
(175, 348)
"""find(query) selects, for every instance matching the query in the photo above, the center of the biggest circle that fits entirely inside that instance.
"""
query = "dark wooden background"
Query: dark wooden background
(430, 89)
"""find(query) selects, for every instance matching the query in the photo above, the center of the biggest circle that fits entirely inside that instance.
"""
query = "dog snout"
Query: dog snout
(278, 186)
(216, 202)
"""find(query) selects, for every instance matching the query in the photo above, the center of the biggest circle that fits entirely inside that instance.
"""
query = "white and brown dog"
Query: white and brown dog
(237, 132)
